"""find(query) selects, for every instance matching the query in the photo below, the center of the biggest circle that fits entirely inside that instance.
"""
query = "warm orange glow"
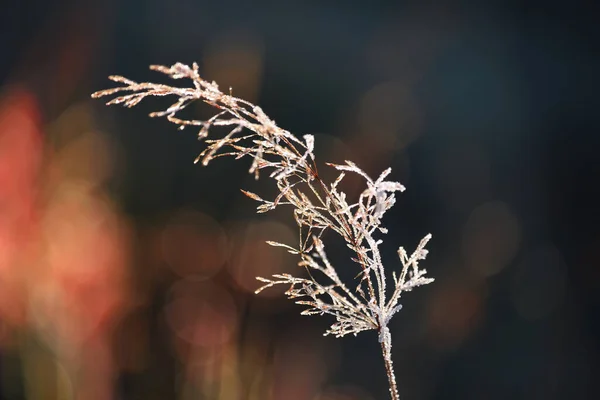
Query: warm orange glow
(20, 159)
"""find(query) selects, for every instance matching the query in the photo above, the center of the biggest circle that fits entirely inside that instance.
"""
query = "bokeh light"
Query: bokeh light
(389, 116)
(21, 151)
(301, 363)
(455, 311)
(126, 272)
(82, 282)
(201, 313)
(235, 60)
(252, 256)
(194, 244)
(491, 238)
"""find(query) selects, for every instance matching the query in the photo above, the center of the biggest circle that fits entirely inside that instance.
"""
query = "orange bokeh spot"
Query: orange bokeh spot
(201, 313)
(21, 148)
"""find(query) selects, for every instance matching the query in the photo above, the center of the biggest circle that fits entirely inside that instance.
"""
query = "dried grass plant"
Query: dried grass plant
(317, 206)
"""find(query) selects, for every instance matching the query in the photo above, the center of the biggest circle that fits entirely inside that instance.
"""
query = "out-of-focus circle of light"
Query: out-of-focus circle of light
(201, 313)
(234, 58)
(81, 288)
(21, 151)
(454, 312)
(389, 115)
(194, 244)
(251, 256)
(491, 238)
(299, 368)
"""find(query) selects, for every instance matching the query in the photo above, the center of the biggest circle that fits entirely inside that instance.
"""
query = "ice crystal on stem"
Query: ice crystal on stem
(317, 206)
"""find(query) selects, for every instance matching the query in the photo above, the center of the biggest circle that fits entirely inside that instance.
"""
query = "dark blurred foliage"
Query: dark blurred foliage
(145, 263)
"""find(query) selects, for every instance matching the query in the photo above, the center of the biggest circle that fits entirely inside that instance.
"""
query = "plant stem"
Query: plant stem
(386, 349)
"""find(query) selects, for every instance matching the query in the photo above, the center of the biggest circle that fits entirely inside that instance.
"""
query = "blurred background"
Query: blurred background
(127, 272)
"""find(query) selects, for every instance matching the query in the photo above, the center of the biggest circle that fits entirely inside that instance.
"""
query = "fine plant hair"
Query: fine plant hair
(317, 206)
